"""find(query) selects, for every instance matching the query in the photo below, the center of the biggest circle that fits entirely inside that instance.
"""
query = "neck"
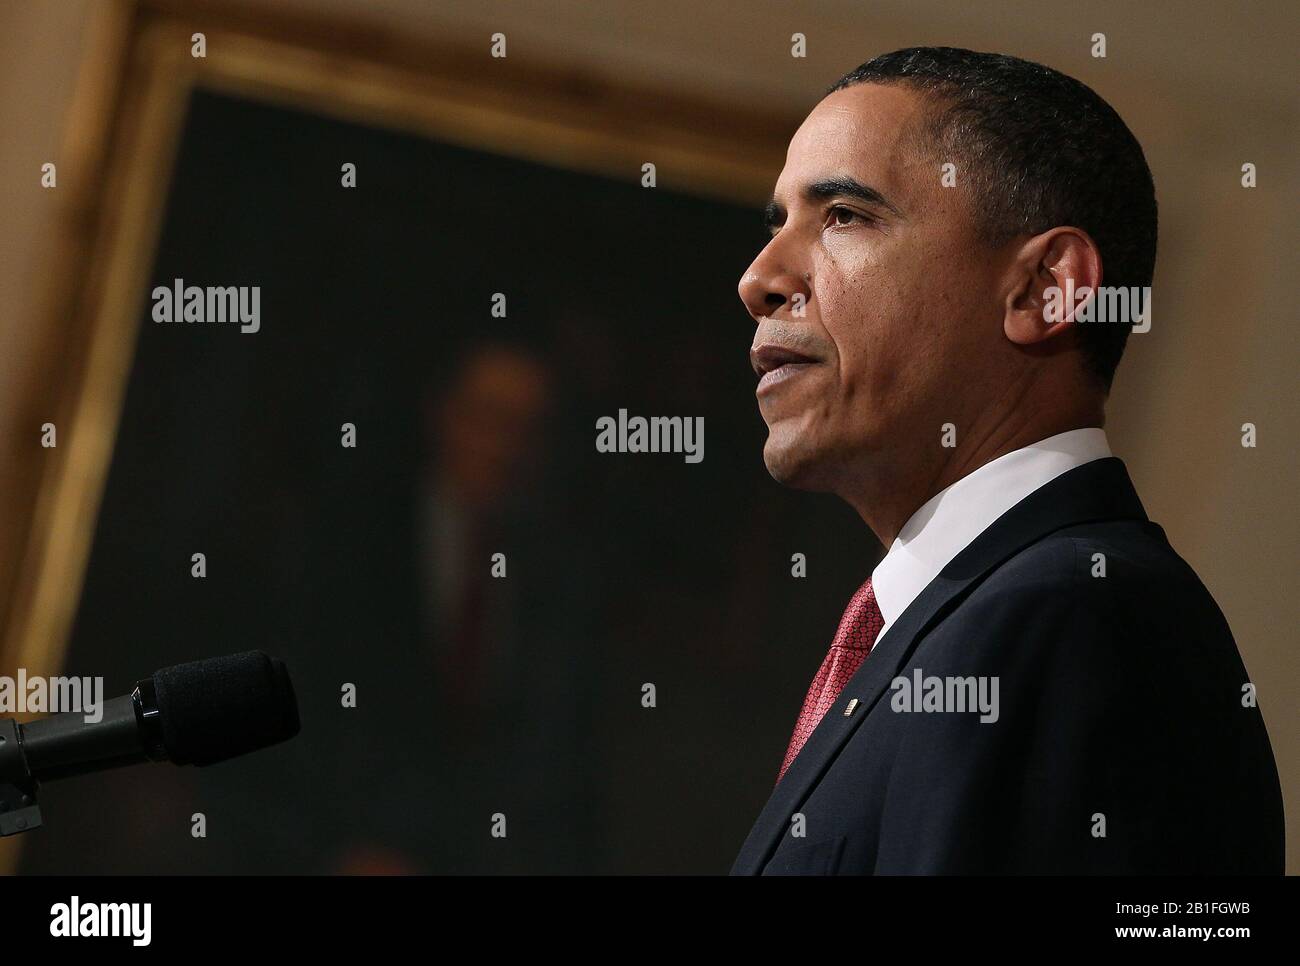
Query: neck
(887, 492)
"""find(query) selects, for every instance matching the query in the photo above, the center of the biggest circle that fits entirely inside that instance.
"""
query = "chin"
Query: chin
(794, 462)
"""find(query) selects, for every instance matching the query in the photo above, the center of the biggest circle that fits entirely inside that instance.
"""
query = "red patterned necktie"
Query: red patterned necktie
(858, 630)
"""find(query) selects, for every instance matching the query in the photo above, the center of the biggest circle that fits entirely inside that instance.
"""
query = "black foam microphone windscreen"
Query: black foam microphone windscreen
(221, 707)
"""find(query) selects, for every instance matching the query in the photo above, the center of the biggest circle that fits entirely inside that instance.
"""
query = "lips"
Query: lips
(769, 357)
(774, 364)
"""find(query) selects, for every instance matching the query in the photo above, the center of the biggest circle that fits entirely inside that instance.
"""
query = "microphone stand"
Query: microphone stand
(130, 732)
(18, 809)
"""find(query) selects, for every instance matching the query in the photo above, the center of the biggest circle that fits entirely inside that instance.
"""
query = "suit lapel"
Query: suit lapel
(1099, 490)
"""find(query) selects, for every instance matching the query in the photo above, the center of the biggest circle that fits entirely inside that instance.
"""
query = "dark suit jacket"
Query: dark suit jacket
(1121, 711)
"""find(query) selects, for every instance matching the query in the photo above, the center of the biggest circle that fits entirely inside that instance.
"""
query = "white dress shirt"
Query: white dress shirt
(952, 518)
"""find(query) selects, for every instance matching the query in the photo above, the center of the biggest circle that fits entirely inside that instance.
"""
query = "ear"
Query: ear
(1051, 276)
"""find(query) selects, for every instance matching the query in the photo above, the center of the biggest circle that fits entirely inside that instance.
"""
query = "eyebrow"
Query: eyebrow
(839, 187)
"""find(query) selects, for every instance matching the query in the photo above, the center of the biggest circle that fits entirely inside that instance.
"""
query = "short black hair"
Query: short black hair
(1042, 150)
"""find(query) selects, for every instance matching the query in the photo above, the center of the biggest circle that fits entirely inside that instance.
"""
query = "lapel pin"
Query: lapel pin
(853, 703)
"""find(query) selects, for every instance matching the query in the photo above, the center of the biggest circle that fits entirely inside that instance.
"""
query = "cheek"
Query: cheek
(923, 307)
(867, 316)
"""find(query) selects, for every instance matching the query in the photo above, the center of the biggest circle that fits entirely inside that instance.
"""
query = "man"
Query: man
(1032, 680)
(477, 667)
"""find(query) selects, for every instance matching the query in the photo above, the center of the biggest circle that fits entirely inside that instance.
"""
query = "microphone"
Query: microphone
(199, 713)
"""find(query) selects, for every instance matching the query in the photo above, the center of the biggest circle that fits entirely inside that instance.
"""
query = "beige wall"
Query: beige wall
(1206, 87)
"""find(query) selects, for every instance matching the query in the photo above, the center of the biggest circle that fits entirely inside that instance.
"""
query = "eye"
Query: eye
(838, 215)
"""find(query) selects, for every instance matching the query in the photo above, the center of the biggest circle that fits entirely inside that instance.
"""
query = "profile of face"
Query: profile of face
(878, 309)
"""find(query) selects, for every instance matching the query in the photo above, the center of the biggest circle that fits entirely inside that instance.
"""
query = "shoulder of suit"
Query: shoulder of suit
(1118, 575)
(1121, 554)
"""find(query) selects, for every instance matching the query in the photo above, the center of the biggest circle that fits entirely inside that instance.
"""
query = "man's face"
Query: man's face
(899, 307)
(488, 428)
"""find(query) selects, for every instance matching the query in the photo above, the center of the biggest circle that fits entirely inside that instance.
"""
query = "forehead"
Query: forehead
(868, 131)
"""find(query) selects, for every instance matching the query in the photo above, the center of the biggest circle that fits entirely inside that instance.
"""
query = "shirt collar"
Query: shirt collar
(952, 518)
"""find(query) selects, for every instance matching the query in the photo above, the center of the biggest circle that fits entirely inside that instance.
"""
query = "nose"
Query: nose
(770, 282)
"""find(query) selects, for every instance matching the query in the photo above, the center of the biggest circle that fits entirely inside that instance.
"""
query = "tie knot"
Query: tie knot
(862, 620)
